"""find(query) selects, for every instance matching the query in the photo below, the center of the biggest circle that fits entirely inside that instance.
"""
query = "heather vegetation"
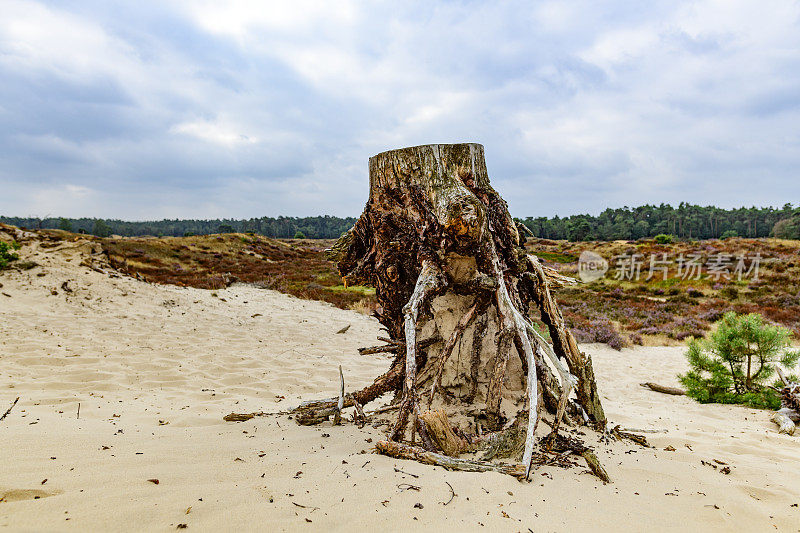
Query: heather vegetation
(619, 312)
(735, 364)
(669, 306)
(293, 267)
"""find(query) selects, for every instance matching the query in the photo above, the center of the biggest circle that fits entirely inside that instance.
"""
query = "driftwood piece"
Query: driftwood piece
(399, 450)
(359, 416)
(790, 394)
(663, 389)
(442, 434)
(395, 346)
(785, 424)
(369, 350)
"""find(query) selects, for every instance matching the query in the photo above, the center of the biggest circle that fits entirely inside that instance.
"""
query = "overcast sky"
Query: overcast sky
(141, 110)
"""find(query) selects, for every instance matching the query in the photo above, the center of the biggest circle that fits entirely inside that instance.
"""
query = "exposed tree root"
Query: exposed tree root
(430, 280)
(399, 450)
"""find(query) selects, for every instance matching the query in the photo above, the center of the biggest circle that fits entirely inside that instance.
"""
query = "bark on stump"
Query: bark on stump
(455, 288)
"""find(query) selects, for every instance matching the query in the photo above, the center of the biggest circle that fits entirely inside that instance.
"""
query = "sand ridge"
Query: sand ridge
(155, 368)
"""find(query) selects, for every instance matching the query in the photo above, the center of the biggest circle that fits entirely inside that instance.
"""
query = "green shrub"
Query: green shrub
(734, 365)
(6, 253)
(663, 238)
(299, 235)
(731, 293)
(729, 234)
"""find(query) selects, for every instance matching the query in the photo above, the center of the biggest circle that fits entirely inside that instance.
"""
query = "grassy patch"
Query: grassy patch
(555, 257)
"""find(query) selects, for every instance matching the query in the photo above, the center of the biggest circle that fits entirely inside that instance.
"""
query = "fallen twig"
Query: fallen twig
(369, 350)
(358, 416)
(305, 506)
(620, 434)
(244, 417)
(452, 494)
(415, 476)
(636, 430)
(595, 466)
(384, 409)
(337, 415)
(9, 409)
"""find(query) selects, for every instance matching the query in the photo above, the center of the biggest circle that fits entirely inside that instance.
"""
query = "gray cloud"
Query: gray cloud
(207, 109)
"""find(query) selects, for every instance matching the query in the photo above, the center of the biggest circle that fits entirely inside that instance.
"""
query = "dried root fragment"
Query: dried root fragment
(399, 450)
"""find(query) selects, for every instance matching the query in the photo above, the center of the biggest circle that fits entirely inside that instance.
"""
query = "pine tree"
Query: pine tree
(734, 365)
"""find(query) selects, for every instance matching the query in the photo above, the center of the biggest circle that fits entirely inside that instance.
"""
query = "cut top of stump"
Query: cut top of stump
(446, 177)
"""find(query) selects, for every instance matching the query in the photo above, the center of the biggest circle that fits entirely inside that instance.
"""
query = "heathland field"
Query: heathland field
(651, 293)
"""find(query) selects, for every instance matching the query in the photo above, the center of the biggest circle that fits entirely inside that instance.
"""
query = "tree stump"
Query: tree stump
(455, 287)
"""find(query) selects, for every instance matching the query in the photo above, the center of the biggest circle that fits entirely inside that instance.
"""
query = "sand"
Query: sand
(155, 368)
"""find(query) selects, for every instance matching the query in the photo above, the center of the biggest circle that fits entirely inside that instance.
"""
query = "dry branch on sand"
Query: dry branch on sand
(9, 409)
(448, 263)
(789, 413)
(655, 387)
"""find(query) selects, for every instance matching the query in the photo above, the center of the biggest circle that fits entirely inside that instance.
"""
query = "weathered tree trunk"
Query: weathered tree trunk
(448, 263)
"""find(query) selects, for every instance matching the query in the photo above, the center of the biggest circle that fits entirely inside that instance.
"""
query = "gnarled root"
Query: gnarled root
(430, 280)
(404, 451)
(317, 411)
(513, 320)
(564, 345)
(568, 381)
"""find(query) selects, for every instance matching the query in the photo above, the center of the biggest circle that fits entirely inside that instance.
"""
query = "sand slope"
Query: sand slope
(155, 368)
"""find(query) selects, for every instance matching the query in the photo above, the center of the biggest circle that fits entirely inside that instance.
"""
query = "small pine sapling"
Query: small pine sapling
(733, 366)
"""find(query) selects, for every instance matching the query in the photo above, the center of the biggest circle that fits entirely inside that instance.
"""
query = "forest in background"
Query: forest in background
(686, 221)
(320, 227)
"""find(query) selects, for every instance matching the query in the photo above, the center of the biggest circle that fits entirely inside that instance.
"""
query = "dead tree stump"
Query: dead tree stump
(455, 288)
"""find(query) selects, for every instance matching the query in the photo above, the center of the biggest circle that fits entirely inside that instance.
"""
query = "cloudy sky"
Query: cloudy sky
(142, 110)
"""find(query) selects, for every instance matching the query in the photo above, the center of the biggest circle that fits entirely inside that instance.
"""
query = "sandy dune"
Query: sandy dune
(156, 368)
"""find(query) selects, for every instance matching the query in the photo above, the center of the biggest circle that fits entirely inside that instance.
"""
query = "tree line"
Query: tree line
(320, 227)
(686, 221)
